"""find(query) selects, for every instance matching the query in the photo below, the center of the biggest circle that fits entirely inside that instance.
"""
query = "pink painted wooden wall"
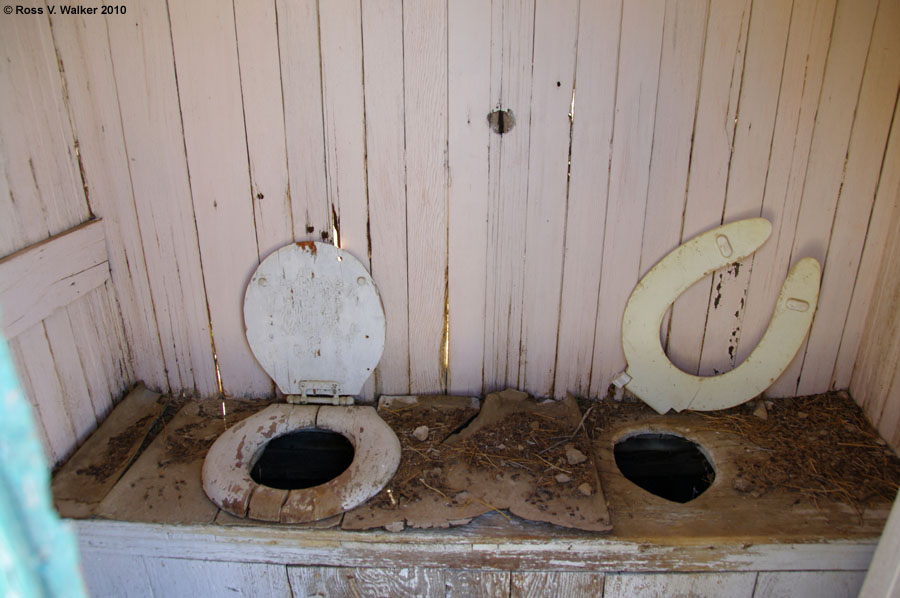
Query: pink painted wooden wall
(207, 134)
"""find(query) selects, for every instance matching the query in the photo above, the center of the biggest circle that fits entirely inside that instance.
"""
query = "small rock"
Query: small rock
(562, 478)
(437, 471)
(421, 433)
(395, 526)
(586, 489)
(742, 485)
(760, 411)
(574, 456)
(501, 446)
(462, 496)
(802, 415)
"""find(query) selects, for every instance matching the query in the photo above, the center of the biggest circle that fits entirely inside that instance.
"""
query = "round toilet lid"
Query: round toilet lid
(312, 313)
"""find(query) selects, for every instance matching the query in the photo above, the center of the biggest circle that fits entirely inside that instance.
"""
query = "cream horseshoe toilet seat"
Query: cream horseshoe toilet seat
(315, 323)
(659, 383)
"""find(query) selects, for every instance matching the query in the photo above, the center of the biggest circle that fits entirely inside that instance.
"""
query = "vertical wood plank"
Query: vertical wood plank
(48, 397)
(552, 83)
(883, 577)
(760, 88)
(865, 291)
(425, 94)
(25, 384)
(301, 86)
(105, 315)
(558, 584)
(115, 575)
(205, 48)
(75, 394)
(39, 146)
(93, 351)
(696, 585)
(469, 93)
(684, 33)
(464, 583)
(723, 61)
(592, 129)
(865, 159)
(83, 46)
(872, 384)
(827, 156)
(641, 42)
(512, 36)
(822, 584)
(801, 83)
(382, 29)
(322, 581)
(408, 581)
(260, 72)
(340, 30)
(141, 54)
(184, 577)
(342, 99)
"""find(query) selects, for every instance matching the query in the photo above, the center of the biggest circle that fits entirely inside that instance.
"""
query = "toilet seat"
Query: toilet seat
(658, 382)
(315, 323)
(226, 469)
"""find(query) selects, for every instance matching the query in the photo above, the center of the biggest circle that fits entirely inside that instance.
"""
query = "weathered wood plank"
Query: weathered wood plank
(758, 103)
(639, 56)
(490, 546)
(552, 85)
(340, 31)
(425, 98)
(382, 30)
(844, 68)
(75, 394)
(713, 585)
(85, 479)
(865, 292)
(512, 37)
(822, 584)
(37, 280)
(143, 66)
(205, 47)
(164, 484)
(256, 26)
(185, 577)
(684, 33)
(864, 166)
(723, 62)
(801, 82)
(883, 578)
(115, 575)
(469, 89)
(92, 350)
(48, 397)
(25, 384)
(40, 163)
(93, 100)
(592, 130)
(301, 86)
(557, 584)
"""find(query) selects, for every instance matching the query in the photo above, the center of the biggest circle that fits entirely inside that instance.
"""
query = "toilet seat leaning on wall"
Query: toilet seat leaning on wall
(656, 380)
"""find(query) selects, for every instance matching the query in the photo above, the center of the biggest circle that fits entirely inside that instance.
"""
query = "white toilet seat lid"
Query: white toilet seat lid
(312, 313)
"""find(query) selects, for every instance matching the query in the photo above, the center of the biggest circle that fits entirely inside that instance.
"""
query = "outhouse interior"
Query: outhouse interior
(506, 172)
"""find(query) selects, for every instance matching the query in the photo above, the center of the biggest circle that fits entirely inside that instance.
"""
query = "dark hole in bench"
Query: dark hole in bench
(302, 459)
(666, 465)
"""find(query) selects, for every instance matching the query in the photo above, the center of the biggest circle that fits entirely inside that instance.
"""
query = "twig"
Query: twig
(430, 487)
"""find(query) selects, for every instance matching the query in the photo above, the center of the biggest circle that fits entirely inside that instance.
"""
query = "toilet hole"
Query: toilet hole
(302, 459)
(669, 466)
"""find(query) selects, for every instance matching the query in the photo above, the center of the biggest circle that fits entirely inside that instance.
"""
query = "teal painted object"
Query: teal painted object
(38, 552)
